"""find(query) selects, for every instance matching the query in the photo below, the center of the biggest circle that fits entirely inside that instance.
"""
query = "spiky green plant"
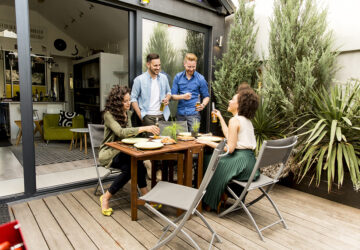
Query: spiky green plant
(240, 62)
(172, 130)
(333, 140)
(301, 57)
(267, 125)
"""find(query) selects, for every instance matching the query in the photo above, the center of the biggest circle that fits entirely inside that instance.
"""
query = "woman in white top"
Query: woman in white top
(241, 142)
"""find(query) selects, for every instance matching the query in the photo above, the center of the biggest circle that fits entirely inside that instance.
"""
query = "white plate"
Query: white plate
(134, 140)
(210, 138)
(185, 133)
(148, 145)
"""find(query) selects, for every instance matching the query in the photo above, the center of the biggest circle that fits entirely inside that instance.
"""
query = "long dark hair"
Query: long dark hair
(115, 104)
(248, 101)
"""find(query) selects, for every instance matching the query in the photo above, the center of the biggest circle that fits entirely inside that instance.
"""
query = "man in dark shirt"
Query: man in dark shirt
(189, 87)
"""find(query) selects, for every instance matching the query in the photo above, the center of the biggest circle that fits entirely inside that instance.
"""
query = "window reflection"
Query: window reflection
(171, 43)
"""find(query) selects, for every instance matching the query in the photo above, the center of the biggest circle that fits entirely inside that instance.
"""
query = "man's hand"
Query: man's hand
(186, 96)
(200, 108)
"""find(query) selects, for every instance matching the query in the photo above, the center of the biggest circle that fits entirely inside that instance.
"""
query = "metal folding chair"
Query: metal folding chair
(96, 134)
(185, 198)
(272, 152)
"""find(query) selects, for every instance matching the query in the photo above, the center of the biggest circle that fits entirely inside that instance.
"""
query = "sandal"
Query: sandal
(106, 212)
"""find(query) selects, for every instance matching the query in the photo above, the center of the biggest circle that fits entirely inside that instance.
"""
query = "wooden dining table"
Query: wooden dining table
(187, 148)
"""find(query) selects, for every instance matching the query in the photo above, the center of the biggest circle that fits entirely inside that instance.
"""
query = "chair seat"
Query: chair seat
(171, 194)
(261, 182)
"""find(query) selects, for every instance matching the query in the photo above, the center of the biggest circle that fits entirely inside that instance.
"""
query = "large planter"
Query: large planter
(345, 195)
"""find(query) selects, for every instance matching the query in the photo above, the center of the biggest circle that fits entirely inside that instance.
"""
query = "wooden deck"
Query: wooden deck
(73, 221)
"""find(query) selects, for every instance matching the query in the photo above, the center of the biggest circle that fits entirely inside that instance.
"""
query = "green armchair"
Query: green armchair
(52, 130)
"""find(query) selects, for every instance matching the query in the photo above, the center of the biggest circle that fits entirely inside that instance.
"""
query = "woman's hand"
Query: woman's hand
(206, 142)
(152, 129)
(217, 113)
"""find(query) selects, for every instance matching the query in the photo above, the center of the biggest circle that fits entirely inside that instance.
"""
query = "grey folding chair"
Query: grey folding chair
(96, 134)
(272, 152)
(183, 126)
(185, 198)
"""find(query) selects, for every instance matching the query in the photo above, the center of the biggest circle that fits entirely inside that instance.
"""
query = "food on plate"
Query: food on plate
(186, 138)
(156, 137)
(168, 140)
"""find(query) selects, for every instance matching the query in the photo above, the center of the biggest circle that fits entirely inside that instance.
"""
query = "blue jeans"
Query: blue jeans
(190, 119)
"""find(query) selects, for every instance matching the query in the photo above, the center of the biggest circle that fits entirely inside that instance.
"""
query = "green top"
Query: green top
(114, 132)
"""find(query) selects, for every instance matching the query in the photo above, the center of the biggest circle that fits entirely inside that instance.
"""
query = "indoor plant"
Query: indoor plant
(172, 130)
(195, 128)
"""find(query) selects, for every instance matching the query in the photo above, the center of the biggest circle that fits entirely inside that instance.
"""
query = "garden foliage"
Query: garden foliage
(301, 57)
(240, 62)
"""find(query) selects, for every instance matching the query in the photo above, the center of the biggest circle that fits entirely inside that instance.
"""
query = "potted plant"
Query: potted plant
(195, 128)
(172, 130)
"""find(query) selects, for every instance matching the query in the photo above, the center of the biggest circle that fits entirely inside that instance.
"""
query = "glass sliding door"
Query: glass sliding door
(172, 42)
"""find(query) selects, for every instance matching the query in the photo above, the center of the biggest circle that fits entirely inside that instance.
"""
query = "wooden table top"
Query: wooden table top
(133, 151)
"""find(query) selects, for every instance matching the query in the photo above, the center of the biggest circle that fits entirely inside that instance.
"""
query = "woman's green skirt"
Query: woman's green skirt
(237, 165)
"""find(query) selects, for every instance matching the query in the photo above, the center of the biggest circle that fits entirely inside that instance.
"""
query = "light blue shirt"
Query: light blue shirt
(141, 92)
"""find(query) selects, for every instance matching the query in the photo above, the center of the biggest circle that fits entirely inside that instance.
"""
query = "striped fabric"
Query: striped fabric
(237, 165)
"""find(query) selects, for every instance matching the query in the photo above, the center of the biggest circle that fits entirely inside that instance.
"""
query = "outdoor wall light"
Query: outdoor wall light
(219, 41)
(144, 2)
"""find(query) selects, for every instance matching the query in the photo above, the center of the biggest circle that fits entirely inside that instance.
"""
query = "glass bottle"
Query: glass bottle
(213, 115)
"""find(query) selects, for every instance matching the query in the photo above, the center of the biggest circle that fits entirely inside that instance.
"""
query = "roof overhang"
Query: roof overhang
(223, 7)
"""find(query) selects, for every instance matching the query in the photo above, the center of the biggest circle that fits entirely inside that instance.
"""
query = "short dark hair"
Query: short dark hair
(152, 56)
(248, 102)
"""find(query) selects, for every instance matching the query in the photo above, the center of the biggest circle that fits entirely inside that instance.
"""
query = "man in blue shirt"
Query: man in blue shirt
(150, 90)
(189, 87)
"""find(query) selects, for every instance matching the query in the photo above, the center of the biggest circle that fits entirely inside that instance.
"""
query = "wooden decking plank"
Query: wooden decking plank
(99, 236)
(53, 234)
(290, 204)
(245, 232)
(133, 227)
(33, 237)
(115, 230)
(277, 232)
(268, 217)
(229, 235)
(338, 211)
(310, 228)
(203, 244)
(76, 235)
(153, 226)
(202, 231)
(11, 214)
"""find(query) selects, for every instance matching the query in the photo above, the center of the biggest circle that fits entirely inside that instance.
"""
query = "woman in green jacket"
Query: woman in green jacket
(117, 127)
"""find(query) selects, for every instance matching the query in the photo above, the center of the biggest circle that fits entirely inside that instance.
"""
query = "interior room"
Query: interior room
(79, 50)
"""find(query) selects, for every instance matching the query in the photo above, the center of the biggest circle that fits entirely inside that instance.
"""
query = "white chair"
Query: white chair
(96, 134)
(185, 198)
(272, 152)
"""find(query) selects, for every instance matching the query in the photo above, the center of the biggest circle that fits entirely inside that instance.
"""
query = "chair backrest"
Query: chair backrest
(214, 160)
(182, 126)
(96, 134)
(273, 152)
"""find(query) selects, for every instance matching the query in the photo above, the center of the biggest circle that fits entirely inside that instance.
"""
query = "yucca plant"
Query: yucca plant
(267, 125)
(333, 140)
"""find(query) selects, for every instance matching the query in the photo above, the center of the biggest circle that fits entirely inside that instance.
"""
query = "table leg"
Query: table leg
(200, 174)
(76, 139)
(19, 136)
(188, 168)
(133, 188)
(72, 141)
(85, 144)
(180, 169)
(80, 141)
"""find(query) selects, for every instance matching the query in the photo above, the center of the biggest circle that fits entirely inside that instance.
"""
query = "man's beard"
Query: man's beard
(154, 72)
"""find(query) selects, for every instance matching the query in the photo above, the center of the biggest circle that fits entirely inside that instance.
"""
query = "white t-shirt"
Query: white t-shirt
(154, 106)
(246, 136)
